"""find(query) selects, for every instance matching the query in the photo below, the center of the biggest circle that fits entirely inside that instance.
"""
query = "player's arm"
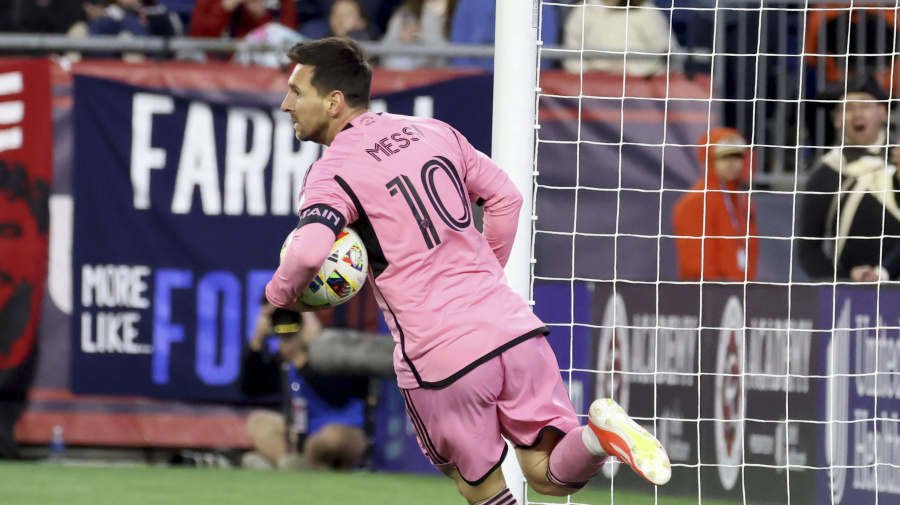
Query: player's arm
(308, 250)
(310, 245)
(325, 211)
(489, 186)
(501, 219)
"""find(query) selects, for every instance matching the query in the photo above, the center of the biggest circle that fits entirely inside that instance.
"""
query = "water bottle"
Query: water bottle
(57, 445)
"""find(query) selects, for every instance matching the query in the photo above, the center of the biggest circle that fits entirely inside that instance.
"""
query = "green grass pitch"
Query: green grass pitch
(47, 484)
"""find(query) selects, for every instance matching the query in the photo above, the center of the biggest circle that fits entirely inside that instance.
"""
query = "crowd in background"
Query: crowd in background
(592, 25)
(634, 37)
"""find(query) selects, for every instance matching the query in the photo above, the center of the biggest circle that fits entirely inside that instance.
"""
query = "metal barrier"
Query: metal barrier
(168, 45)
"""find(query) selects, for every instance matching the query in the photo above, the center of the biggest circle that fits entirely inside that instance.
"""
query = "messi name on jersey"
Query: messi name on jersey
(403, 139)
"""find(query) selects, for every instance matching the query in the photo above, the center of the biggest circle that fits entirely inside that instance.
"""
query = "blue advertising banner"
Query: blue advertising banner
(861, 403)
(181, 206)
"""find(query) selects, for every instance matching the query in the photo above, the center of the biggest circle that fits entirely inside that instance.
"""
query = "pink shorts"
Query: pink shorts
(518, 394)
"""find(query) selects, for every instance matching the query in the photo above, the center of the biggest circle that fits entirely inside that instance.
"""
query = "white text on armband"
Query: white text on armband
(321, 213)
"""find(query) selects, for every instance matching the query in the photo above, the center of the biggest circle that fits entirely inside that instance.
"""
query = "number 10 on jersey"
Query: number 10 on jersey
(403, 185)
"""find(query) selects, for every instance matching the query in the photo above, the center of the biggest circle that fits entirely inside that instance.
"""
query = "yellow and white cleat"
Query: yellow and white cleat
(623, 438)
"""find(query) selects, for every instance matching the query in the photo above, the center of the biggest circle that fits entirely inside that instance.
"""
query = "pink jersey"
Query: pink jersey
(406, 184)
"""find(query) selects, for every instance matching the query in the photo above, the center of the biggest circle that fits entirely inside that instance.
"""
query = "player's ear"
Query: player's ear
(335, 103)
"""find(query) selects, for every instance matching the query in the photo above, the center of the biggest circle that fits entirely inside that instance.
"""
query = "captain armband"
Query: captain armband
(321, 213)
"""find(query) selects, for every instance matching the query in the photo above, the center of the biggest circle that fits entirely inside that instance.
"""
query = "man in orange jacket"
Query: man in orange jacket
(715, 224)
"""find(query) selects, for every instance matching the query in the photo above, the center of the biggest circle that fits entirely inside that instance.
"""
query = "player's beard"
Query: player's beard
(315, 135)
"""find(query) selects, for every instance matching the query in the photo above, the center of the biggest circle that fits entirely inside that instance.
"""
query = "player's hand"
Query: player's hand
(868, 273)
(301, 307)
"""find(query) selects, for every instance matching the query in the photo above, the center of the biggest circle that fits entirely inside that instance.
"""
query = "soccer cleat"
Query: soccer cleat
(623, 438)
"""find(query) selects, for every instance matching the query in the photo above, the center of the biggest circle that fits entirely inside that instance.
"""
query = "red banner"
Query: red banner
(26, 169)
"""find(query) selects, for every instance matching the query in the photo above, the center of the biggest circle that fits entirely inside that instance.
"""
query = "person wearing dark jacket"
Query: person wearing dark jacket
(849, 214)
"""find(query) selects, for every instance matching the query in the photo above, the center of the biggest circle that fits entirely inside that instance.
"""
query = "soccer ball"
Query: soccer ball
(342, 275)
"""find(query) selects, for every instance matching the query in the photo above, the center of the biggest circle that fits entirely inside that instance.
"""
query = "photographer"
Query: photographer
(328, 411)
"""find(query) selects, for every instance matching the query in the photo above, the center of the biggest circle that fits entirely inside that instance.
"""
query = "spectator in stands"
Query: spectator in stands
(313, 15)
(419, 22)
(236, 18)
(328, 411)
(693, 22)
(348, 18)
(618, 36)
(133, 17)
(125, 18)
(473, 23)
(39, 16)
(844, 41)
(715, 224)
(160, 21)
(853, 40)
(120, 17)
(849, 215)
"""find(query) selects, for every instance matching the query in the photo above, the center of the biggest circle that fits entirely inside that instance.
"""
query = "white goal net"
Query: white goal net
(776, 378)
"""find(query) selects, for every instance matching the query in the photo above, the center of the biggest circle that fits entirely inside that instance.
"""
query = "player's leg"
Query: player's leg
(335, 446)
(458, 429)
(537, 416)
(535, 411)
(559, 465)
(266, 432)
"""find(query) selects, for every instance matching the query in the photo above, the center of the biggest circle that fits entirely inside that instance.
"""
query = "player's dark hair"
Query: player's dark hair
(340, 64)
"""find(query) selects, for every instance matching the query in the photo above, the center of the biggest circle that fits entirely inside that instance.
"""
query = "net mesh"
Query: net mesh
(776, 378)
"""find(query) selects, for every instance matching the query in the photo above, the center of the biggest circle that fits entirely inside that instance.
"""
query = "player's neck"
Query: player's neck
(342, 121)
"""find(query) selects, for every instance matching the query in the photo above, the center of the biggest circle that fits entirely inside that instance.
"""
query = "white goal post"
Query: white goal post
(512, 147)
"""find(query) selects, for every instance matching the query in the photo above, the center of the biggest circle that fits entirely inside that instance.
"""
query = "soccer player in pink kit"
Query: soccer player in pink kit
(471, 358)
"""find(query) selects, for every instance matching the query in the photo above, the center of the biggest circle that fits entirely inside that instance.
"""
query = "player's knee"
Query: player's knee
(537, 478)
(487, 489)
(534, 463)
(542, 485)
